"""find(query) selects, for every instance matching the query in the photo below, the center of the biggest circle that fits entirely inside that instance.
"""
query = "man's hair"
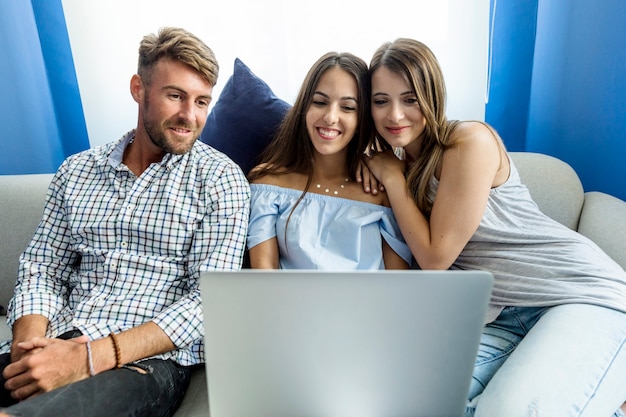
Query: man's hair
(179, 45)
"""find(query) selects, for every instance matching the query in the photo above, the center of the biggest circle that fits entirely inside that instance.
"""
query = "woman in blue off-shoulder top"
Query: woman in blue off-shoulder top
(307, 210)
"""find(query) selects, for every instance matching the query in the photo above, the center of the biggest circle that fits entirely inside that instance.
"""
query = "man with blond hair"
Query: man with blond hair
(106, 314)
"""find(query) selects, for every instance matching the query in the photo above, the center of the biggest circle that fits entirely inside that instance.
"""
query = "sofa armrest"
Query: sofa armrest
(553, 184)
(603, 220)
(5, 331)
(21, 204)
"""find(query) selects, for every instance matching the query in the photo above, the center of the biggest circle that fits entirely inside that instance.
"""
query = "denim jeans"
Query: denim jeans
(563, 361)
(153, 387)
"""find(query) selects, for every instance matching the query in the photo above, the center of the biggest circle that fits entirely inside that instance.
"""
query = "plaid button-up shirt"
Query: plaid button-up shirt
(114, 251)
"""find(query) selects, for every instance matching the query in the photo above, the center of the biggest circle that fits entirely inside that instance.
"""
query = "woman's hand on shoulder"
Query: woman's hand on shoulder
(367, 179)
(384, 166)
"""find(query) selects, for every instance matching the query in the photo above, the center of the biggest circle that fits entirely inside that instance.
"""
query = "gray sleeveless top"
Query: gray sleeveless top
(537, 261)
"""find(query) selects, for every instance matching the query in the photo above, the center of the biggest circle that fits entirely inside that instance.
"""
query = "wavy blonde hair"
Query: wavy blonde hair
(417, 64)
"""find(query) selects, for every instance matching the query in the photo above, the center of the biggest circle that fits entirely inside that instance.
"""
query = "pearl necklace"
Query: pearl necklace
(335, 192)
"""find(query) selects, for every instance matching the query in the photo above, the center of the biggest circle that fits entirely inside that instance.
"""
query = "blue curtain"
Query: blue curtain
(512, 46)
(42, 116)
(558, 85)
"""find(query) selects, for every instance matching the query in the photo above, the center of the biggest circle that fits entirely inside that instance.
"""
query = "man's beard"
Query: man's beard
(158, 138)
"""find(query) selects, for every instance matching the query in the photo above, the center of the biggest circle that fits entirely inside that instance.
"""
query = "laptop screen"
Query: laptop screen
(311, 343)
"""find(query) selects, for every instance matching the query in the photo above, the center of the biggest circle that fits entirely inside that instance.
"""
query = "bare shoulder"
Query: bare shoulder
(352, 190)
(355, 192)
(473, 130)
(382, 199)
(287, 180)
(480, 143)
(476, 135)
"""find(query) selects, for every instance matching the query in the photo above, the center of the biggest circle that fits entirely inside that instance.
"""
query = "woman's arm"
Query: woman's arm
(265, 255)
(468, 172)
(392, 259)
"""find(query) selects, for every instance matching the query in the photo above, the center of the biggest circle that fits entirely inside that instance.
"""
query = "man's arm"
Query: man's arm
(56, 362)
(44, 268)
(25, 329)
(218, 244)
(137, 343)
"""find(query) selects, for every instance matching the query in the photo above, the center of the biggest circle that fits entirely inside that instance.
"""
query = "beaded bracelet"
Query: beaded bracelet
(90, 360)
(118, 354)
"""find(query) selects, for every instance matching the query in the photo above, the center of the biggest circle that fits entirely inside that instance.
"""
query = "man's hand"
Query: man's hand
(19, 350)
(46, 364)
(24, 329)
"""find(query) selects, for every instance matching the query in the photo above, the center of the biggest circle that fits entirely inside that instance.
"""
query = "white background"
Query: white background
(277, 39)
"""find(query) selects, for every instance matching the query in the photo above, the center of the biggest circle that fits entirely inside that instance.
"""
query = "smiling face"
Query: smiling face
(332, 117)
(395, 110)
(173, 108)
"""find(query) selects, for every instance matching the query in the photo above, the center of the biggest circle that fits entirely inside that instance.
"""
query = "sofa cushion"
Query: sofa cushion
(553, 184)
(244, 117)
(5, 332)
(196, 400)
(602, 220)
(21, 206)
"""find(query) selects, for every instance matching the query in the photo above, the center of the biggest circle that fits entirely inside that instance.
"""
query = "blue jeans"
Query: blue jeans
(563, 361)
(152, 387)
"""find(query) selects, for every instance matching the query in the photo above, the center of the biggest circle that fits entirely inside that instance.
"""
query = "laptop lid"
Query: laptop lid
(294, 343)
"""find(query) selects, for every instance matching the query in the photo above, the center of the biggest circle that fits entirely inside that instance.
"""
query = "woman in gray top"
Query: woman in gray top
(553, 343)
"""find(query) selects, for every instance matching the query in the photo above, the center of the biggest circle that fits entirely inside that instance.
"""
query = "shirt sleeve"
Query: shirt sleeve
(264, 207)
(47, 263)
(390, 231)
(218, 244)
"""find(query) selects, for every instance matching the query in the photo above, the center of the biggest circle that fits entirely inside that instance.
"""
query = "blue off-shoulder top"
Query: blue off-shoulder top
(328, 233)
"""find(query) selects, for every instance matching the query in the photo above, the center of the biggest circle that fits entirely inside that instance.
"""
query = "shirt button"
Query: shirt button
(124, 244)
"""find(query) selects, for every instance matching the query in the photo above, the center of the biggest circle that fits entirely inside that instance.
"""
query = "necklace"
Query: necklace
(335, 192)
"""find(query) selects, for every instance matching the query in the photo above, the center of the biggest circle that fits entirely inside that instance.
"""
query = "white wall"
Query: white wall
(278, 39)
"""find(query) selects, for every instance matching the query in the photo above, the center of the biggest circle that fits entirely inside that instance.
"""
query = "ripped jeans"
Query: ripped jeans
(153, 387)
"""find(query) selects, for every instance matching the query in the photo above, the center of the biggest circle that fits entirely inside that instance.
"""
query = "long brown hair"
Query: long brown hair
(291, 149)
(414, 61)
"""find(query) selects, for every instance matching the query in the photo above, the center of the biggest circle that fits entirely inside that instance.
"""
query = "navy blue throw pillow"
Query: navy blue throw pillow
(244, 118)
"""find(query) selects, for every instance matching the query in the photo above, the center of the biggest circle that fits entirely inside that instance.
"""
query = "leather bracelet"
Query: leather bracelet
(116, 347)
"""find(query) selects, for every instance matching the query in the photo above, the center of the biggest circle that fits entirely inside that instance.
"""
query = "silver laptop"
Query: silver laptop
(296, 343)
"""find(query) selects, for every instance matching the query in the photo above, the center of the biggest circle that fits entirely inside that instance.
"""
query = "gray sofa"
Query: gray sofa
(553, 184)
